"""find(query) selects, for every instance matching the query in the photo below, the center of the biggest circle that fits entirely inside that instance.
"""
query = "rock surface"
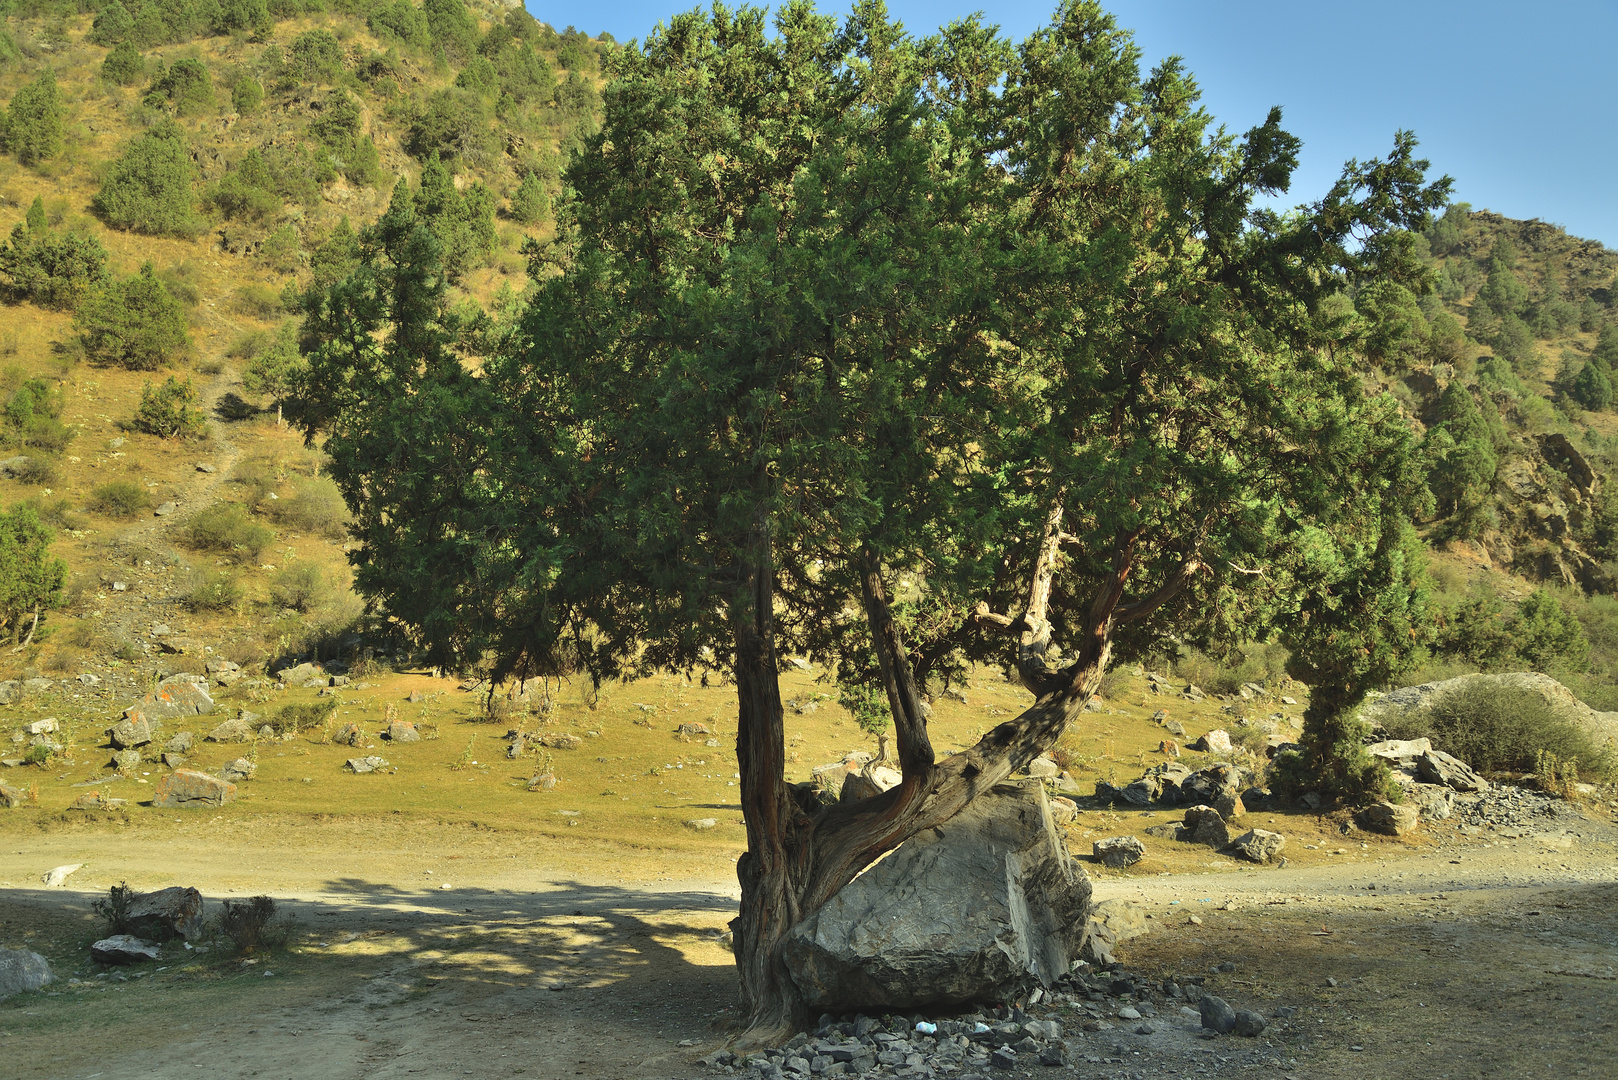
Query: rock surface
(22, 971)
(129, 733)
(190, 788)
(1409, 702)
(166, 914)
(1118, 852)
(124, 949)
(970, 911)
(1259, 845)
(1393, 819)
(230, 731)
(402, 731)
(367, 764)
(1441, 768)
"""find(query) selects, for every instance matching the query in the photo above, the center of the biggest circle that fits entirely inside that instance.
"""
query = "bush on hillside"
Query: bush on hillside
(121, 499)
(33, 123)
(124, 65)
(148, 189)
(211, 591)
(315, 56)
(187, 86)
(247, 95)
(31, 578)
(135, 323)
(33, 417)
(316, 507)
(166, 411)
(1496, 729)
(531, 204)
(51, 269)
(227, 529)
(302, 587)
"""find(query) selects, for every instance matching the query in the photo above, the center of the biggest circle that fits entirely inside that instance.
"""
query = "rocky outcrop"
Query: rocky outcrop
(189, 788)
(170, 913)
(974, 910)
(1410, 702)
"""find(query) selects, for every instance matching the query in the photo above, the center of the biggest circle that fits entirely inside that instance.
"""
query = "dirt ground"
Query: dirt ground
(423, 949)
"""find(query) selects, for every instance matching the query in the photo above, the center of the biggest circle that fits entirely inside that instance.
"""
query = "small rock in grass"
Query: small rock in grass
(367, 764)
(1119, 851)
(701, 824)
(124, 949)
(1216, 1015)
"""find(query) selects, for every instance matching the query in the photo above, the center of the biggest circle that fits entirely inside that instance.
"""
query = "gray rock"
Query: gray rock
(560, 740)
(22, 971)
(1399, 751)
(10, 692)
(11, 798)
(173, 760)
(1110, 923)
(349, 735)
(1118, 852)
(1214, 742)
(238, 770)
(1063, 809)
(175, 697)
(37, 686)
(123, 949)
(1003, 1057)
(302, 674)
(402, 731)
(127, 734)
(231, 731)
(164, 509)
(1250, 1024)
(181, 743)
(870, 781)
(190, 788)
(366, 764)
(1206, 826)
(970, 911)
(701, 824)
(175, 912)
(1042, 767)
(88, 679)
(46, 726)
(1389, 818)
(1441, 768)
(1216, 1015)
(1259, 845)
(1434, 802)
(57, 876)
(126, 761)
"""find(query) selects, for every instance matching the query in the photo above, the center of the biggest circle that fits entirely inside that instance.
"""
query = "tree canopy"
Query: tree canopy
(842, 308)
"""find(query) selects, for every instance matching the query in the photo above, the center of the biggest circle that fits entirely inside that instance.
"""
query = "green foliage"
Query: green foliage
(479, 77)
(336, 257)
(121, 499)
(33, 417)
(302, 587)
(247, 95)
(187, 86)
(315, 56)
(1546, 636)
(1495, 729)
(1591, 387)
(124, 64)
(1444, 236)
(114, 909)
(1541, 635)
(531, 203)
(301, 716)
(454, 123)
(451, 26)
(246, 193)
(401, 21)
(275, 368)
(33, 124)
(227, 529)
(462, 223)
(51, 269)
(339, 128)
(134, 323)
(867, 702)
(148, 189)
(31, 579)
(167, 411)
(111, 25)
(211, 591)
(249, 16)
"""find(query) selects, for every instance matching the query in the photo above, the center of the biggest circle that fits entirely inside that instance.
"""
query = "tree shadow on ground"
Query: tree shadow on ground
(231, 407)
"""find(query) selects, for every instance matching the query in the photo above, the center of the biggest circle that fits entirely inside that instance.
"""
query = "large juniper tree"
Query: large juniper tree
(841, 306)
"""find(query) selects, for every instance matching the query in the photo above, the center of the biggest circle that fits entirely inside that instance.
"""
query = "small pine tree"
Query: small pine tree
(31, 579)
(111, 26)
(166, 411)
(1591, 387)
(187, 86)
(34, 121)
(247, 96)
(52, 270)
(531, 203)
(148, 190)
(135, 323)
(123, 64)
(275, 370)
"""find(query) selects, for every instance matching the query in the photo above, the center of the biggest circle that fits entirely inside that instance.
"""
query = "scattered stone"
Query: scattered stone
(1169, 747)
(366, 764)
(701, 824)
(88, 679)
(1214, 742)
(56, 877)
(22, 972)
(545, 781)
(1433, 801)
(160, 629)
(173, 760)
(970, 911)
(175, 912)
(164, 509)
(129, 733)
(1206, 826)
(231, 731)
(694, 728)
(1451, 772)
(1118, 852)
(1216, 1014)
(1399, 751)
(415, 697)
(1042, 767)
(190, 788)
(37, 686)
(560, 740)
(302, 675)
(206, 469)
(1063, 809)
(47, 726)
(349, 735)
(126, 761)
(1230, 805)
(1259, 845)
(238, 770)
(11, 798)
(175, 697)
(402, 731)
(1248, 1023)
(1393, 819)
(1175, 728)
(1003, 1057)
(181, 743)
(870, 781)
(97, 800)
(124, 949)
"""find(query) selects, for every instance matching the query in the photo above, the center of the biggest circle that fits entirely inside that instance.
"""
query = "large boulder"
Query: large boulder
(1393, 819)
(237, 730)
(124, 949)
(176, 696)
(175, 912)
(1441, 768)
(870, 781)
(187, 787)
(1259, 845)
(1118, 852)
(22, 971)
(130, 732)
(974, 910)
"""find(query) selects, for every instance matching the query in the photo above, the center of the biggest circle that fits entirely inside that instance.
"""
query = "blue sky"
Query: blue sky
(1518, 103)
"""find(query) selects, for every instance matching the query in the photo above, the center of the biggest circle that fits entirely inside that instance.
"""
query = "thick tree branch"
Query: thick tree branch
(909, 722)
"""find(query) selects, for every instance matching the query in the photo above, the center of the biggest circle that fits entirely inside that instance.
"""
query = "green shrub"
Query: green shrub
(187, 86)
(316, 507)
(123, 65)
(211, 591)
(40, 470)
(121, 499)
(316, 56)
(111, 25)
(247, 95)
(256, 301)
(166, 411)
(33, 123)
(291, 719)
(135, 323)
(1499, 729)
(301, 587)
(247, 924)
(452, 27)
(54, 270)
(226, 528)
(403, 22)
(246, 192)
(531, 203)
(148, 189)
(31, 579)
(259, 479)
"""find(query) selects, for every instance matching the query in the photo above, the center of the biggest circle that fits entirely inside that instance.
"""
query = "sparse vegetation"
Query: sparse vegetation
(121, 499)
(226, 528)
(135, 323)
(167, 411)
(211, 591)
(1498, 730)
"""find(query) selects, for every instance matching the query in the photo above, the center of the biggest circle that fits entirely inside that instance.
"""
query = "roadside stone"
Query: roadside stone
(126, 761)
(1435, 802)
(1118, 852)
(57, 876)
(366, 764)
(1003, 1057)
(1389, 818)
(96, 800)
(129, 733)
(175, 912)
(190, 788)
(1206, 826)
(238, 770)
(11, 798)
(1441, 768)
(402, 731)
(124, 949)
(1230, 805)
(175, 697)
(164, 509)
(22, 971)
(1214, 742)
(1216, 1014)
(1249, 1024)
(231, 731)
(302, 674)
(1043, 767)
(1259, 845)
